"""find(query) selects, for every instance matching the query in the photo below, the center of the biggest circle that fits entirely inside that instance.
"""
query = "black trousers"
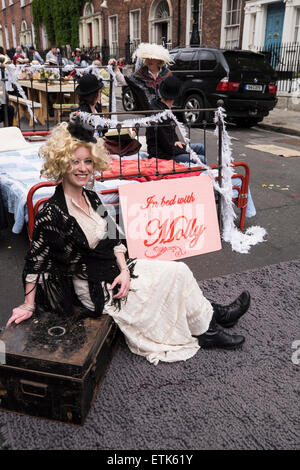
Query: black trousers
(10, 114)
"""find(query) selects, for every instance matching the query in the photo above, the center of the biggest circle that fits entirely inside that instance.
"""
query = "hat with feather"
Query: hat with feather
(152, 51)
(81, 129)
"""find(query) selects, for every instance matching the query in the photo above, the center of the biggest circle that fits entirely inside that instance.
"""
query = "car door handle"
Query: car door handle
(190, 76)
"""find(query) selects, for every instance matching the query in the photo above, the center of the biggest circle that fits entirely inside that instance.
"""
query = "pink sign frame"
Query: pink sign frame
(170, 219)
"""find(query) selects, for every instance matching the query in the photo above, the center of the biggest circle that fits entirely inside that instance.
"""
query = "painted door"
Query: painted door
(90, 35)
(274, 25)
(161, 32)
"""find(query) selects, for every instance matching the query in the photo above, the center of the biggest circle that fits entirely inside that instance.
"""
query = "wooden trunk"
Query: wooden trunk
(52, 367)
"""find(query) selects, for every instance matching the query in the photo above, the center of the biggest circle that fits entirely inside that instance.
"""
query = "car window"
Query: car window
(207, 60)
(246, 61)
(187, 61)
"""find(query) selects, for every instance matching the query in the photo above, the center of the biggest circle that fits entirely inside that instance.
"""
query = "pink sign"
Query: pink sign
(170, 219)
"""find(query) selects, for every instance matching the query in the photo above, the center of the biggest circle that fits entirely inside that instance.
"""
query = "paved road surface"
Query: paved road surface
(278, 211)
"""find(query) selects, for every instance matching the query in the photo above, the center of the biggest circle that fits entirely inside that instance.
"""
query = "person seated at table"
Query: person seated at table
(77, 56)
(51, 54)
(77, 258)
(36, 55)
(162, 141)
(84, 60)
(98, 56)
(18, 53)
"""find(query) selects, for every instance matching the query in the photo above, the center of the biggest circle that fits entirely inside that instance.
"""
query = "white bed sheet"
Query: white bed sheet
(20, 170)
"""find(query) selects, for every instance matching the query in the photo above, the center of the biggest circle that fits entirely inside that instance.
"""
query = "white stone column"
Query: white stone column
(95, 32)
(246, 41)
(260, 25)
(80, 34)
(289, 22)
(84, 34)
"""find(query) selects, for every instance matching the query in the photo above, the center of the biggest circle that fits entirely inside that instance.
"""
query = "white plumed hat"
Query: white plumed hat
(152, 51)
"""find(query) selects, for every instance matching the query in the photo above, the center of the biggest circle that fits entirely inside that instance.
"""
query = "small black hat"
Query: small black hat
(169, 88)
(80, 129)
(88, 84)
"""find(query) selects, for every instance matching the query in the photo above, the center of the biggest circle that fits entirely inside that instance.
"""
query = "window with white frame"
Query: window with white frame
(297, 27)
(6, 37)
(232, 23)
(14, 36)
(88, 9)
(199, 18)
(22, 3)
(113, 34)
(1, 37)
(135, 27)
(3, 4)
(11, 2)
(253, 25)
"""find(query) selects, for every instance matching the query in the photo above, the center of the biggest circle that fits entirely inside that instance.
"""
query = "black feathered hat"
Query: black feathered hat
(170, 87)
(88, 84)
(80, 129)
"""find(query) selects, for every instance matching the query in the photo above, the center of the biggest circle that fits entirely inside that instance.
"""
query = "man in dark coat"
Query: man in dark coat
(162, 140)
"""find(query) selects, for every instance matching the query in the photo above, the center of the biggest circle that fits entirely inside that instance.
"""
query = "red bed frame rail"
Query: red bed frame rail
(240, 200)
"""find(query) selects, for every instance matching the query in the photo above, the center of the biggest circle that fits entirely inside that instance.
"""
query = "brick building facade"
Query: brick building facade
(156, 21)
(113, 22)
(16, 23)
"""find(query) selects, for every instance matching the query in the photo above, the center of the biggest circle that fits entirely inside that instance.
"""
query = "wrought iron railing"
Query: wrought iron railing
(285, 59)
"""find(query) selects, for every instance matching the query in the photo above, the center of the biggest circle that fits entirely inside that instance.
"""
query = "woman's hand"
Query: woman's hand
(179, 144)
(18, 315)
(124, 280)
(114, 63)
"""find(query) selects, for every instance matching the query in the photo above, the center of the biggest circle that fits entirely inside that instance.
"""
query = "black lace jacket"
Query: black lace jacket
(60, 251)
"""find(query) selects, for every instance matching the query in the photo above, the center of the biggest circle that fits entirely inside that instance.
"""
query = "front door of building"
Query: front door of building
(162, 32)
(90, 37)
(274, 24)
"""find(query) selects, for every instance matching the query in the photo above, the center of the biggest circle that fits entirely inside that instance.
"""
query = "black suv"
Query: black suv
(244, 80)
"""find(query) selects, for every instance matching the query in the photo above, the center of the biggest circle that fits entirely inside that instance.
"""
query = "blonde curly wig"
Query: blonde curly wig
(59, 149)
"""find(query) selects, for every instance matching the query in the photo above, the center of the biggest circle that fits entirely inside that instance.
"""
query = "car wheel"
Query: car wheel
(192, 117)
(246, 123)
(128, 100)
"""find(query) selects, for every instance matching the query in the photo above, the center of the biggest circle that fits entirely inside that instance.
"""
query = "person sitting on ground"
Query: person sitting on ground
(162, 140)
(36, 55)
(77, 258)
(51, 55)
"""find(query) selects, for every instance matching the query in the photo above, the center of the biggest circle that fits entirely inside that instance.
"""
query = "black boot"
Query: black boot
(214, 338)
(228, 315)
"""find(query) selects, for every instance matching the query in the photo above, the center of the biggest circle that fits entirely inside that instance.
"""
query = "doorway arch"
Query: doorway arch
(160, 22)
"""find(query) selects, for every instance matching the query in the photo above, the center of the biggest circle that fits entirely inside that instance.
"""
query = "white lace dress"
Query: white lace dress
(163, 310)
